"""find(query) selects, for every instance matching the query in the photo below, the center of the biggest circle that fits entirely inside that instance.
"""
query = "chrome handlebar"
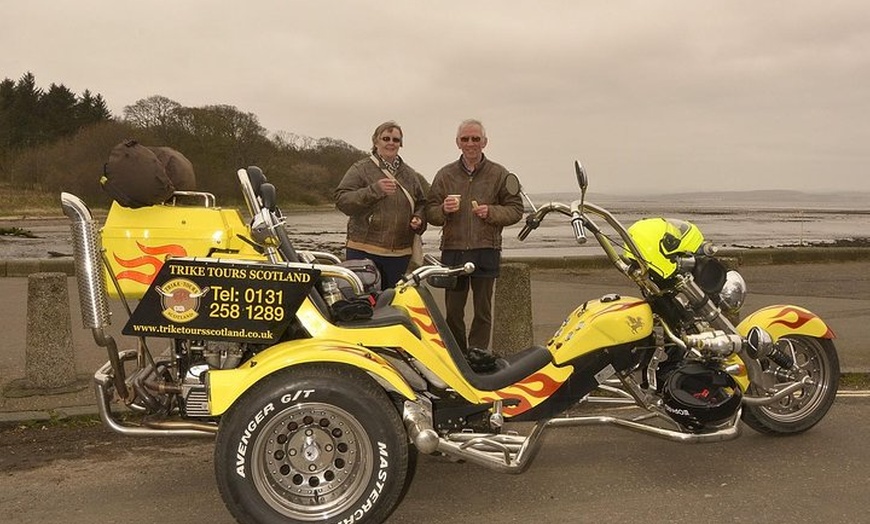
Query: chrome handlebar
(434, 269)
(579, 212)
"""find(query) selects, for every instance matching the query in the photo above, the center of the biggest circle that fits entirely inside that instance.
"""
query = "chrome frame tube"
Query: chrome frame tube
(729, 432)
(513, 453)
(779, 395)
(103, 380)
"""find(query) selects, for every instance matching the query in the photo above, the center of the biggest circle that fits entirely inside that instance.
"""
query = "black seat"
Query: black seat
(520, 365)
(384, 315)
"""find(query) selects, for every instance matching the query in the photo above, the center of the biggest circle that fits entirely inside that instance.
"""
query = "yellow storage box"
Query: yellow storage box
(138, 241)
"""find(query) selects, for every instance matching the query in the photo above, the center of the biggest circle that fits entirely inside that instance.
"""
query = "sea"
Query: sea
(741, 220)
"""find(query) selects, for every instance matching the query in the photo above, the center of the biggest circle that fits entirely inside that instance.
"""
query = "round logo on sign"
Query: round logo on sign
(180, 299)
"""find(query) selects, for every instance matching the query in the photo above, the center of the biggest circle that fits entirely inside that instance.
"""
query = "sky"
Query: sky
(649, 95)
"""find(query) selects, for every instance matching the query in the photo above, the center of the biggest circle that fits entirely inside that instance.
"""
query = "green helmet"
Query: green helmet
(660, 239)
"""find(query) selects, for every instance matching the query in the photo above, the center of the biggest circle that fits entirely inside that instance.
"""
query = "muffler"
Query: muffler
(87, 250)
(88, 253)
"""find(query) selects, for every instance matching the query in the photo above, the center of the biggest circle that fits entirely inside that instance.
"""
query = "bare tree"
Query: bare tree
(152, 112)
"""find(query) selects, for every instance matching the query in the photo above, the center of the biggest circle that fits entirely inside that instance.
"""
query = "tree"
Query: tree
(7, 96)
(57, 112)
(92, 109)
(25, 129)
(292, 141)
(64, 141)
(30, 117)
(152, 112)
(223, 139)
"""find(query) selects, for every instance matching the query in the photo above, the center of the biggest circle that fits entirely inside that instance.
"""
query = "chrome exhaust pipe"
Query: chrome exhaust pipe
(418, 424)
(167, 428)
(88, 252)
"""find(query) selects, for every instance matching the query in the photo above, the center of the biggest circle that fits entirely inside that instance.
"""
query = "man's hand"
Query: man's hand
(450, 204)
(480, 210)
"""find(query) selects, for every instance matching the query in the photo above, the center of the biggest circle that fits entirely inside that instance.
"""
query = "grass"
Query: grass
(855, 381)
(28, 203)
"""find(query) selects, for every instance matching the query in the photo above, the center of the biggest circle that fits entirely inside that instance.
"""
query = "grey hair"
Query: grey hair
(471, 122)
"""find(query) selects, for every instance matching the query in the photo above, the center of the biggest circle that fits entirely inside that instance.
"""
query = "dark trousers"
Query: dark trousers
(391, 268)
(481, 324)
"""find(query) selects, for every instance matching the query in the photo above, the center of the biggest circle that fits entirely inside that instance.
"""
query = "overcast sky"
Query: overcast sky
(650, 95)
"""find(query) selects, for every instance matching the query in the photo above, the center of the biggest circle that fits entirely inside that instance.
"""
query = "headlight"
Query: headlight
(733, 292)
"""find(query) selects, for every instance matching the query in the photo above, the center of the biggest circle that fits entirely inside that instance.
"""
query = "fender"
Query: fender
(227, 385)
(781, 320)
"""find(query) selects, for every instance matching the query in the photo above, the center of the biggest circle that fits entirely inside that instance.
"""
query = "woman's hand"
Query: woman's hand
(416, 222)
(387, 185)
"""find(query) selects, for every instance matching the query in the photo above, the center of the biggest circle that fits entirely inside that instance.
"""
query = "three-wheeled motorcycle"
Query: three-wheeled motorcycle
(321, 393)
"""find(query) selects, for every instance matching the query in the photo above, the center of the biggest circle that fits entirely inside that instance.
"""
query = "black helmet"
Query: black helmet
(700, 398)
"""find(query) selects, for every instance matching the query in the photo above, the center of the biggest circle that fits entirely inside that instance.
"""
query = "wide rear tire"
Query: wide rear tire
(316, 443)
(804, 408)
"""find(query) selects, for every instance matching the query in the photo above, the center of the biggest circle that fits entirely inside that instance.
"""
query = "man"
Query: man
(469, 200)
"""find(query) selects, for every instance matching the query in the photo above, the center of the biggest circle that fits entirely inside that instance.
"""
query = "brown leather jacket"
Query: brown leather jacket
(379, 223)
(463, 230)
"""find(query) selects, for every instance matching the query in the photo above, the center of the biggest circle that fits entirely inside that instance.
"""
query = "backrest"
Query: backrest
(444, 330)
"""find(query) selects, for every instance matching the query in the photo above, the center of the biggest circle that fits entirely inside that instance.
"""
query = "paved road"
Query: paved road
(581, 475)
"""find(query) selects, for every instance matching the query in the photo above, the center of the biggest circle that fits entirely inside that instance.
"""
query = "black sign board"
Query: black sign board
(205, 299)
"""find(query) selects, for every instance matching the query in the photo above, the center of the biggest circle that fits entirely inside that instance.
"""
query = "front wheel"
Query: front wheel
(804, 408)
(319, 443)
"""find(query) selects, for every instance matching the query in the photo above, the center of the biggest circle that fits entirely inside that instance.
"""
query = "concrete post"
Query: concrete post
(512, 310)
(50, 359)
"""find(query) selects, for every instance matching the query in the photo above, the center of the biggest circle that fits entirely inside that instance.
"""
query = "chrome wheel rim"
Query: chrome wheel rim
(312, 461)
(812, 361)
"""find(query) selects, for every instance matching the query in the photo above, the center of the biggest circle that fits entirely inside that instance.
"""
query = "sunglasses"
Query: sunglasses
(472, 138)
(395, 140)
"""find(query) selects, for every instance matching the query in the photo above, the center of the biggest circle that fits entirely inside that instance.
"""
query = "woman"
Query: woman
(385, 202)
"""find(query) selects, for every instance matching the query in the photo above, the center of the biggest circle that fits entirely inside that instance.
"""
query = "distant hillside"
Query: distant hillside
(757, 198)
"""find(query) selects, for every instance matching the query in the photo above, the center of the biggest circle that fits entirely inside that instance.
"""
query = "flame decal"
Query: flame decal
(420, 317)
(802, 318)
(546, 386)
(423, 320)
(152, 252)
(513, 411)
(782, 318)
(614, 308)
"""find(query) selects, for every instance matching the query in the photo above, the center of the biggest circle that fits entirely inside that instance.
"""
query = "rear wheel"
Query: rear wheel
(319, 443)
(804, 408)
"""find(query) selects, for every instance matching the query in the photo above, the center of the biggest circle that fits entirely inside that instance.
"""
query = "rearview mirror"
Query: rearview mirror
(582, 180)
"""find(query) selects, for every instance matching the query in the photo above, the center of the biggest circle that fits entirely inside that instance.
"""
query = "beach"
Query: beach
(728, 220)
